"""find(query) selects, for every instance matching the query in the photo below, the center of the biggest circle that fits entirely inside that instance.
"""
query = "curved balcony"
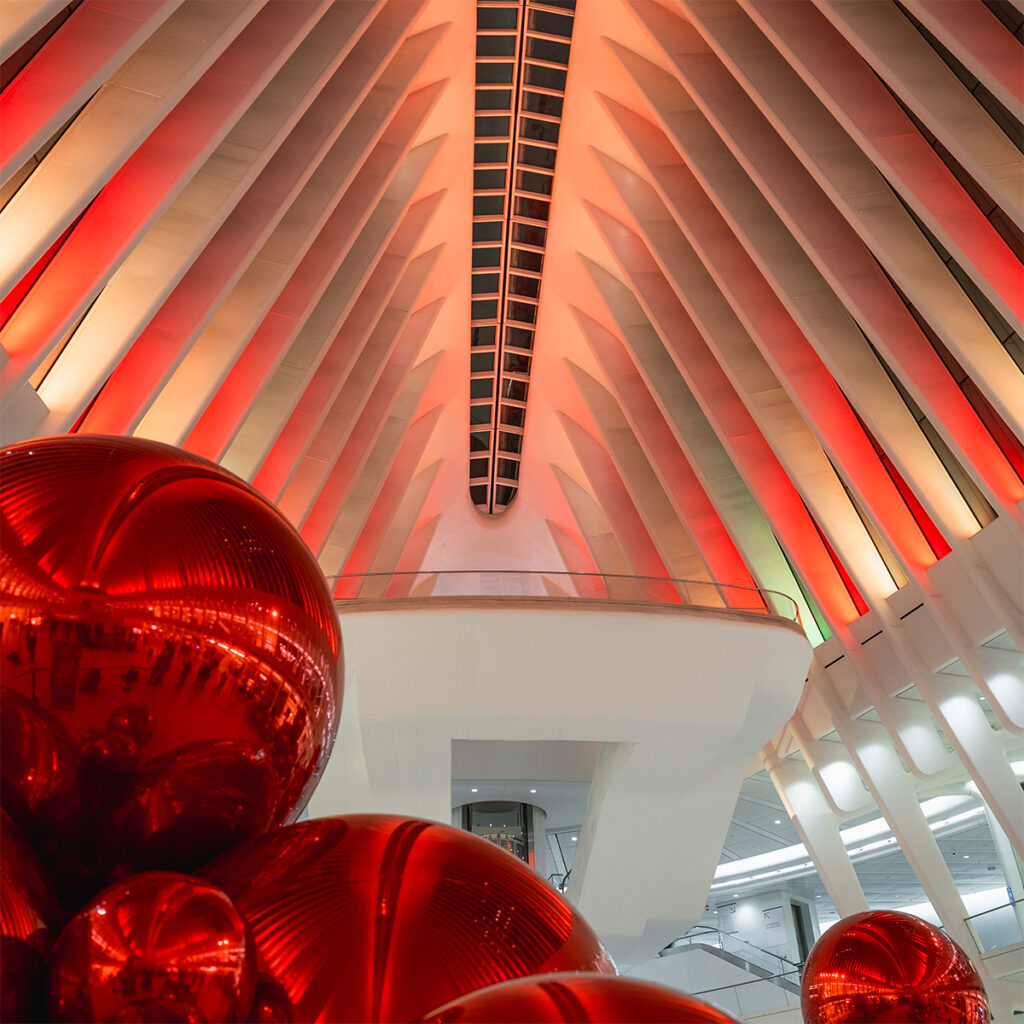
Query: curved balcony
(662, 689)
(566, 586)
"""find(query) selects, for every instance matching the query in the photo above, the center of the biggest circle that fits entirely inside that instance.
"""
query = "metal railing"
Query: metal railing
(772, 963)
(999, 926)
(756, 995)
(563, 585)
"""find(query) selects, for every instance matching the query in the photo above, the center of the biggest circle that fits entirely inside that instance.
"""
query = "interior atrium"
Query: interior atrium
(645, 377)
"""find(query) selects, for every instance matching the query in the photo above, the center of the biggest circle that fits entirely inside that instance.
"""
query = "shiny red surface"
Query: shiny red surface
(157, 947)
(30, 921)
(884, 966)
(169, 656)
(380, 918)
(578, 998)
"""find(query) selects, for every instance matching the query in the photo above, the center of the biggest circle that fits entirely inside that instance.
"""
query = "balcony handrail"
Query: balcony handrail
(992, 910)
(693, 934)
(769, 600)
(743, 984)
(774, 960)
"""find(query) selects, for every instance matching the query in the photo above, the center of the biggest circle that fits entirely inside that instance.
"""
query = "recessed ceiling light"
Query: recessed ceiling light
(967, 856)
(735, 895)
(574, 839)
(778, 821)
(474, 790)
(533, 791)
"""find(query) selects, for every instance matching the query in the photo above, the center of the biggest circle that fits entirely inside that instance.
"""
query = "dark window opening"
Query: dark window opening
(514, 389)
(523, 259)
(513, 416)
(495, 127)
(542, 103)
(545, 78)
(496, 46)
(484, 309)
(485, 284)
(493, 99)
(508, 442)
(487, 257)
(528, 286)
(494, 74)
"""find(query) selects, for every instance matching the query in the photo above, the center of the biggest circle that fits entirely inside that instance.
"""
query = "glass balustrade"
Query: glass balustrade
(999, 926)
(564, 586)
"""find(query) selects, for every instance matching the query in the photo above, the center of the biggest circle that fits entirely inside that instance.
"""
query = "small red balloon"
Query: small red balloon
(39, 765)
(576, 999)
(379, 918)
(191, 802)
(158, 946)
(884, 967)
(149, 601)
(134, 720)
(30, 921)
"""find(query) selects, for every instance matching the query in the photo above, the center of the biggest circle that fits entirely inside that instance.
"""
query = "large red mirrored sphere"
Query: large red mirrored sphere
(170, 658)
(158, 946)
(576, 999)
(885, 966)
(379, 918)
(30, 921)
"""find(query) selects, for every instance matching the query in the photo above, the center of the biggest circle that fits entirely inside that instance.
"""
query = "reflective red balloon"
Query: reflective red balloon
(379, 918)
(576, 999)
(885, 966)
(39, 764)
(158, 946)
(151, 601)
(30, 921)
(193, 801)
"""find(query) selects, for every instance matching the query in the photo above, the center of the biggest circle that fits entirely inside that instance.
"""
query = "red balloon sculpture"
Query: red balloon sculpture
(575, 999)
(380, 918)
(885, 966)
(30, 921)
(170, 653)
(156, 947)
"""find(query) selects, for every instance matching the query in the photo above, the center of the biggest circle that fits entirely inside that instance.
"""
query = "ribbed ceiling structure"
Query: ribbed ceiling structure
(778, 341)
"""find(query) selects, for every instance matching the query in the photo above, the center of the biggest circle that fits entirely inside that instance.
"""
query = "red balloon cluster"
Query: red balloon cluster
(576, 999)
(379, 918)
(170, 697)
(169, 651)
(885, 966)
(158, 946)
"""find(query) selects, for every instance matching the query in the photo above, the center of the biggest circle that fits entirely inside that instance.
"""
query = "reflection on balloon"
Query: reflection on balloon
(134, 720)
(39, 761)
(157, 947)
(380, 918)
(271, 1004)
(30, 921)
(22, 981)
(192, 802)
(149, 602)
(577, 998)
(886, 966)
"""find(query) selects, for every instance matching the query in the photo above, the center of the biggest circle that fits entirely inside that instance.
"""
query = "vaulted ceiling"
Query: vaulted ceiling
(776, 332)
